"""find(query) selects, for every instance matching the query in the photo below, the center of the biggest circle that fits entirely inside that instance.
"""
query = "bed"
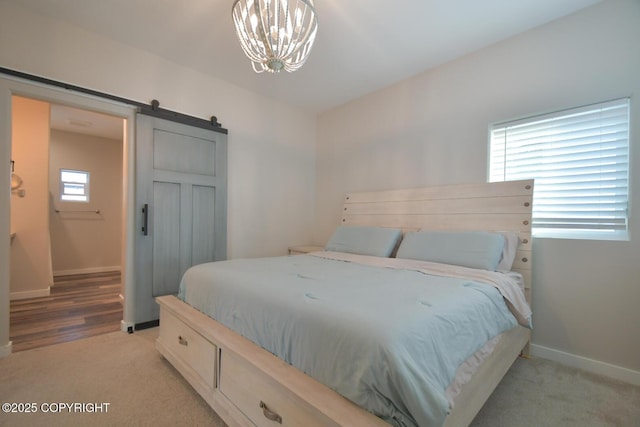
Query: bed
(285, 380)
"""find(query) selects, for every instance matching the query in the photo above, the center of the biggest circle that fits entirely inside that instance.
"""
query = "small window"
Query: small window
(74, 186)
(579, 159)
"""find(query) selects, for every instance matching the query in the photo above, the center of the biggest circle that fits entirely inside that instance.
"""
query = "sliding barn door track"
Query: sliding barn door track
(152, 109)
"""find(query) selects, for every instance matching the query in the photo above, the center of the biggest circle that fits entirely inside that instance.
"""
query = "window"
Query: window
(74, 186)
(580, 161)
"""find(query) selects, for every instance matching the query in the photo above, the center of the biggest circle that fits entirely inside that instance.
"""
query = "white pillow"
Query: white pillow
(511, 241)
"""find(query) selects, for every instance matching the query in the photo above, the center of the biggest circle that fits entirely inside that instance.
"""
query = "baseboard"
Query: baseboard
(128, 327)
(147, 325)
(86, 270)
(590, 365)
(30, 294)
(5, 350)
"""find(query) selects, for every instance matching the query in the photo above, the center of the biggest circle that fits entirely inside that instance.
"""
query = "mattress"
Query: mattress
(387, 334)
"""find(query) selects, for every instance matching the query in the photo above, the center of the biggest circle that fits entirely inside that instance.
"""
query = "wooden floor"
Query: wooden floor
(79, 306)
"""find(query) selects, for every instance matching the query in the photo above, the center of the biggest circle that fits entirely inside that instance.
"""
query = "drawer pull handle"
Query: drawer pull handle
(182, 341)
(270, 415)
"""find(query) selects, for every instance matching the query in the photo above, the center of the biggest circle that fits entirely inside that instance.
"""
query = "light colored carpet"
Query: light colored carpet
(540, 393)
(142, 389)
(124, 370)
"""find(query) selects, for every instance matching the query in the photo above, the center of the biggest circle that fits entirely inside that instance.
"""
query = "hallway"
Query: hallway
(79, 306)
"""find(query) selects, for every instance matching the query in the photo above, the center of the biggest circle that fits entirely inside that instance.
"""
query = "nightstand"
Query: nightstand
(304, 249)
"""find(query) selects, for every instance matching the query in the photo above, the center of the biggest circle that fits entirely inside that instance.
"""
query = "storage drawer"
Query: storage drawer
(265, 402)
(189, 346)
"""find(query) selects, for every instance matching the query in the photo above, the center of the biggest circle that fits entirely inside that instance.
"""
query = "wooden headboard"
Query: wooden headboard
(498, 206)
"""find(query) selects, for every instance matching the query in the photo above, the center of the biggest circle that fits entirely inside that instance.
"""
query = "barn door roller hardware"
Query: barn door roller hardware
(154, 110)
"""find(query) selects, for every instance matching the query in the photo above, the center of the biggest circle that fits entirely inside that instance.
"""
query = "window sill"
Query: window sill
(620, 236)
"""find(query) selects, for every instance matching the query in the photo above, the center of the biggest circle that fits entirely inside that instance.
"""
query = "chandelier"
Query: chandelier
(275, 34)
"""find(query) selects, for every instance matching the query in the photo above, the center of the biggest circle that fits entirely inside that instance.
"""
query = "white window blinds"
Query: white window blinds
(580, 161)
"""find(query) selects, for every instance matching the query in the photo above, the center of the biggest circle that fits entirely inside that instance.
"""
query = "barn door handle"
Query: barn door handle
(145, 218)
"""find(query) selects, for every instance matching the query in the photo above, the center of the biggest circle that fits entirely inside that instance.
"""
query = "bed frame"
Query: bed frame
(249, 386)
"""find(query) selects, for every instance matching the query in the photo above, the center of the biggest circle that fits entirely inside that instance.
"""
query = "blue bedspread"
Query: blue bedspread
(389, 340)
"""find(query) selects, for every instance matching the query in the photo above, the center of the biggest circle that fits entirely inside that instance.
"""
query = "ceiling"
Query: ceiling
(74, 120)
(362, 45)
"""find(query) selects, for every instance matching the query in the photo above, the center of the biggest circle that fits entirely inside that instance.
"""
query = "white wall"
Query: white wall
(31, 274)
(433, 129)
(271, 173)
(85, 242)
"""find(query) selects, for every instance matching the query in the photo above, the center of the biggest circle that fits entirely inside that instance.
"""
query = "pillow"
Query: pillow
(474, 249)
(375, 241)
(511, 241)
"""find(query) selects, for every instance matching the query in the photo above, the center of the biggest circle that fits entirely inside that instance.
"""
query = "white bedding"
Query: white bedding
(514, 295)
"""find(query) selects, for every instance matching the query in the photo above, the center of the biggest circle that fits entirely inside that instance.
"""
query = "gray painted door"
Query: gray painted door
(181, 179)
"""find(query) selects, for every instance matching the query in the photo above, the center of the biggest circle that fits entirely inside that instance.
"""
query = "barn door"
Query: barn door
(181, 193)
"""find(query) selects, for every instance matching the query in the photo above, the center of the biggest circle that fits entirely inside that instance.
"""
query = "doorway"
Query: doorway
(10, 87)
(66, 223)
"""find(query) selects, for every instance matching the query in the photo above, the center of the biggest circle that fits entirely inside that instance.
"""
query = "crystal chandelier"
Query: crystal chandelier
(275, 34)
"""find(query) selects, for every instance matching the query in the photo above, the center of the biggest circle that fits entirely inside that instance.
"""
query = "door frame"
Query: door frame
(10, 86)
